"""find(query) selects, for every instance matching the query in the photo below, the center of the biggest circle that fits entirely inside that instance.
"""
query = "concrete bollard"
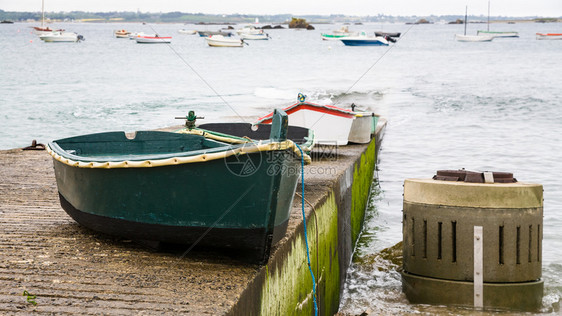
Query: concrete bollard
(441, 220)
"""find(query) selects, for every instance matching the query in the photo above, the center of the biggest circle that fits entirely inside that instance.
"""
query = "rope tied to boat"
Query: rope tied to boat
(305, 235)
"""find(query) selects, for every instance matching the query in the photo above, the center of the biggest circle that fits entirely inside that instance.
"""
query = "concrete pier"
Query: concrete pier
(67, 269)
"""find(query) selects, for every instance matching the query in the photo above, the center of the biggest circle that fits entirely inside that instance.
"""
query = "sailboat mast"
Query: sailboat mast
(488, 16)
(43, 12)
(465, 16)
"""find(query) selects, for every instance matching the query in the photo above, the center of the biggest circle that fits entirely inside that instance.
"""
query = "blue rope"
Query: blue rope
(305, 236)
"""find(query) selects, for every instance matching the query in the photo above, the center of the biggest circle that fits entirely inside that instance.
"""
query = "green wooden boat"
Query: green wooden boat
(181, 188)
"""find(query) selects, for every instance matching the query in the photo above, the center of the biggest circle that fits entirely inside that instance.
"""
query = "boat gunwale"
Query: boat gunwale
(313, 107)
(160, 160)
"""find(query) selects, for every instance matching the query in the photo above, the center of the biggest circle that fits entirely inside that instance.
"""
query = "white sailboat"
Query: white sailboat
(471, 38)
(43, 30)
(496, 33)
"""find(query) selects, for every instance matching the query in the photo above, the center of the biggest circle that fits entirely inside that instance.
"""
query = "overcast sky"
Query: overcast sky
(547, 8)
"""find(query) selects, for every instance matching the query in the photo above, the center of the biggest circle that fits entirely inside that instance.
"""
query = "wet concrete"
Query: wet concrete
(67, 269)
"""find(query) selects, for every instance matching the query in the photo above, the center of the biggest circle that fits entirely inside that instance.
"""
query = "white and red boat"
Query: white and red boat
(331, 124)
(153, 39)
(549, 36)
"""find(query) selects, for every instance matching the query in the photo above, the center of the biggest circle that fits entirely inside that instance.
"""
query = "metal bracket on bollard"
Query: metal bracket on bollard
(478, 267)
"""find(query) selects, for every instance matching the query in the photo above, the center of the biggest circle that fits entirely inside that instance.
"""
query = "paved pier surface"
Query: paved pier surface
(72, 270)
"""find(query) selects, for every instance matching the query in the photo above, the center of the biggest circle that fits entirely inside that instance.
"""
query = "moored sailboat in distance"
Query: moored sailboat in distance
(43, 30)
(496, 33)
(471, 38)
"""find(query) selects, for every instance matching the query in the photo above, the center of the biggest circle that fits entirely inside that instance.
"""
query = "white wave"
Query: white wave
(275, 93)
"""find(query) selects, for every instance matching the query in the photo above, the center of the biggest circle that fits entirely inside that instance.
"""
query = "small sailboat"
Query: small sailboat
(496, 33)
(43, 30)
(471, 38)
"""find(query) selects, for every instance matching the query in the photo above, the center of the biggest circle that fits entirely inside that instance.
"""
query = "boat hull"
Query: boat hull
(211, 33)
(473, 38)
(331, 125)
(220, 41)
(549, 36)
(153, 40)
(59, 37)
(383, 34)
(364, 42)
(333, 37)
(254, 37)
(242, 201)
(498, 34)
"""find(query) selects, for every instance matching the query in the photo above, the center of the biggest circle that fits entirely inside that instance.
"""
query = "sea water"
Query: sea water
(449, 105)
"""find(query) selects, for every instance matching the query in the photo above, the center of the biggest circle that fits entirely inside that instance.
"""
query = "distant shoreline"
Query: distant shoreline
(222, 19)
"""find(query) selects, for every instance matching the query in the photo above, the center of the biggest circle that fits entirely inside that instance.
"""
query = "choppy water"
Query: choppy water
(481, 106)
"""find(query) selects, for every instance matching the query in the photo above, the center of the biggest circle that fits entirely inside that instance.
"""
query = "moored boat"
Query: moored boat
(333, 37)
(496, 34)
(249, 29)
(363, 40)
(61, 37)
(44, 30)
(121, 33)
(181, 188)
(389, 34)
(549, 36)
(338, 34)
(221, 41)
(187, 32)
(259, 36)
(473, 38)
(156, 39)
(210, 33)
(331, 124)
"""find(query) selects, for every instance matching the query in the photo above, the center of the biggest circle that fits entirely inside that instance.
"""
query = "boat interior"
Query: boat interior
(145, 145)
